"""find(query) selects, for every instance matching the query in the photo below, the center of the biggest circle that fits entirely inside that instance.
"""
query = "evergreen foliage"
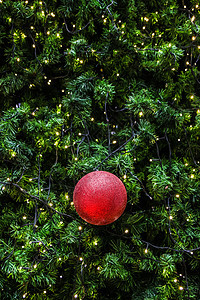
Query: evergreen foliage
(99, 85)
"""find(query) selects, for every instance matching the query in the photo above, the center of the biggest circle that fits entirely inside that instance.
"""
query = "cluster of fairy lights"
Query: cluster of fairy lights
(80, 60)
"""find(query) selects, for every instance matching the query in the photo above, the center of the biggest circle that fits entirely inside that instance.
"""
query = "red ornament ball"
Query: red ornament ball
(100, 198)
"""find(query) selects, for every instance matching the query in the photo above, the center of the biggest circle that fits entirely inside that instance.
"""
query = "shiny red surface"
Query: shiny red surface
(100, 198)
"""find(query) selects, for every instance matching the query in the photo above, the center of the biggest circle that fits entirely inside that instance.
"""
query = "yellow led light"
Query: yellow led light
(76, 158)
(124, 176)
(193, 18)
(177, 195)
(48, 32)
(80, 258)
(8, 179)
(192, 97)
(105, 20)
(192, 176)
(60, 258)
(146, 250)
(58, 35)
(45, 292)
(143, 27)
(198, 111)
(24, 217)
(81, 61)
(80, 228)
(79, 133)
(170, 217)
(42, 12)
(193, 38)
(33, 45)
(92, 119)
(57, 133)
(126, 231)
(140, 114)
(18, 59)
(180, 288)
(66, 146)
(76, 296)
(186, 164)
(24, 296)
(50, 204)
(175, 280)
(52, 14)
(3, 188)
(35, 266)
(114, 142)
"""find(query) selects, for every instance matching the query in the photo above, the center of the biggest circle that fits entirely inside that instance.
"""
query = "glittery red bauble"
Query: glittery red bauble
(100, 198)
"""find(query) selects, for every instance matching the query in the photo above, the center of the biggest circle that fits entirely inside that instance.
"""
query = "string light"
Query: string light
(146, 250)
(140, 114)
(24, 217)
(80, 228)
(177, 195)
(126, 231)
(114, 142)
(124, 176)
(175, 280)
(193, 18)
(180, 288)
(193, 38)
(45, 291)
(170, 217)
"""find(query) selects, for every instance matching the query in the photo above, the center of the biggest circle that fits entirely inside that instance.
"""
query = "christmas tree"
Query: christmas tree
(110, 86)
